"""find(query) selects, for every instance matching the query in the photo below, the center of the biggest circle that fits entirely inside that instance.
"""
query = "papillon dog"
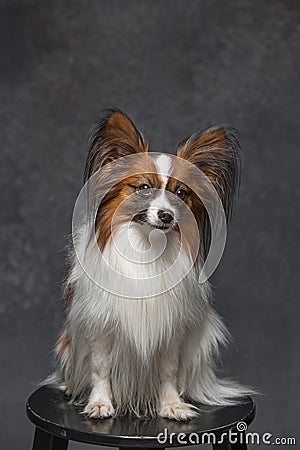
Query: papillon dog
(141, 335)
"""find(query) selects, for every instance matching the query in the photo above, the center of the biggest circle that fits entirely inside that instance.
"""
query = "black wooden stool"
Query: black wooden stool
(57, 422)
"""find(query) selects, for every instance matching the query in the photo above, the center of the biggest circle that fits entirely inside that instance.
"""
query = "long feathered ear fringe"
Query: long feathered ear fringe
(216, 152)
(112, 137)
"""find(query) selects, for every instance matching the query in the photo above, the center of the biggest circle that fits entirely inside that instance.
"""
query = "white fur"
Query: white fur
(159, 203)
(163, 164)
(148, 354)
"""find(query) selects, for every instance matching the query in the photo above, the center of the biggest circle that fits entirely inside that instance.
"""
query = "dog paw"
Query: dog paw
(178, 411)
(99, 410)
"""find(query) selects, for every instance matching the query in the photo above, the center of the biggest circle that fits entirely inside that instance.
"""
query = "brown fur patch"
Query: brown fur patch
(68, 287)
(63, 343)
(216, 153)
(187, 229)
(113, 137)
(145, 174)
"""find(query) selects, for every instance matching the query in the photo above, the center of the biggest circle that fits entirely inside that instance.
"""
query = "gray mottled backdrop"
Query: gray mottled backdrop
(175, 67)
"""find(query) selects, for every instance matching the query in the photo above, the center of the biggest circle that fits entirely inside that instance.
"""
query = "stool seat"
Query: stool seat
(54, 417)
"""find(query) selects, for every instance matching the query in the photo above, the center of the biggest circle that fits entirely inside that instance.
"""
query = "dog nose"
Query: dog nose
(165, 216)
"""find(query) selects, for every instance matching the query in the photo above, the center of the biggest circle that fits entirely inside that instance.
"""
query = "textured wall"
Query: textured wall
(175, 67)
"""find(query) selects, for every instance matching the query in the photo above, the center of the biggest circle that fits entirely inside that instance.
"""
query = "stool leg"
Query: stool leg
(241, 443)
(46, 441)
(140, 448)
(225, 445)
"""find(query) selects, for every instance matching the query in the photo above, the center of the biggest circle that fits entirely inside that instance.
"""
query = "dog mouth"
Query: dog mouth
(162, 226)
(142, 219)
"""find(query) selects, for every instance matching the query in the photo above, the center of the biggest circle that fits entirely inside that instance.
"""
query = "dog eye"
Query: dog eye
(181, 193)
(144, 189)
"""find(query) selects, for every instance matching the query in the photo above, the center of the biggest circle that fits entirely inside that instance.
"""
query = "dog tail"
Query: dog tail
(199, 381)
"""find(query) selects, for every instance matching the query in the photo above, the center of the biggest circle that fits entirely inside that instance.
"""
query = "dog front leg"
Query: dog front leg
(100, 401)
(171, 405)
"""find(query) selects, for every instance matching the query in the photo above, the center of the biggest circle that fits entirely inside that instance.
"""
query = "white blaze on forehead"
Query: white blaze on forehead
(163, 166)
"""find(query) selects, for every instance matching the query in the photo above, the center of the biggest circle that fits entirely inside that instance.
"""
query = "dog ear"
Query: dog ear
(216, 152)
(111, 138)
